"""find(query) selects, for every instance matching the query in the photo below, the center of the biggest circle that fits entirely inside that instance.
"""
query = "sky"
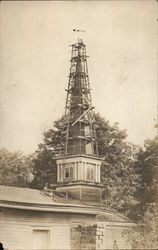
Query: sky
(121, 40)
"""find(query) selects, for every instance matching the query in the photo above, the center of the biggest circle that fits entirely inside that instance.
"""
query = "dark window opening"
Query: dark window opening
(69, 172)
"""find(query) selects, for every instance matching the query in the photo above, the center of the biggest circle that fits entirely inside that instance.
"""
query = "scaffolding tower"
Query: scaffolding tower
(78, 131)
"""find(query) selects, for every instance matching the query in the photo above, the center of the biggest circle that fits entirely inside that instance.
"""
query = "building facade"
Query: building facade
(30, 219)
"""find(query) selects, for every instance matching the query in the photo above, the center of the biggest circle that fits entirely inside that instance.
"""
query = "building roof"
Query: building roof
(32, 199)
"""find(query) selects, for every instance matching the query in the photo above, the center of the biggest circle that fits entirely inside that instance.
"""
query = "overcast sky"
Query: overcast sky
(121, 39)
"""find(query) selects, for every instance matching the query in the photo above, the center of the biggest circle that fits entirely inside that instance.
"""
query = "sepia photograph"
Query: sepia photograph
(79, 125)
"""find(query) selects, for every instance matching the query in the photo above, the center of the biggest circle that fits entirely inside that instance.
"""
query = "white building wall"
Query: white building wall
(21, 229)
(61, 236)
(15, 235)
(20, 235)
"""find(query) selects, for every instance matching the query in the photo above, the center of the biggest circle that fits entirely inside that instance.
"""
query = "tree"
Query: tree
(45, 169)
(149, 163)
(147, 170)
(119, 176)
(16, 169)
(144, 235)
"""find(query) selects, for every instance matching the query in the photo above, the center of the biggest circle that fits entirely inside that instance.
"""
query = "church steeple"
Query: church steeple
(79, 165)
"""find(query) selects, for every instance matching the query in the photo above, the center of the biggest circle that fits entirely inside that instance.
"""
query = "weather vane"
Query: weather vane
(78, 30)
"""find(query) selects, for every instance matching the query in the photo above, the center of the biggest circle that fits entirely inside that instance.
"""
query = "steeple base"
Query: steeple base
(79, 177)
(82, 191)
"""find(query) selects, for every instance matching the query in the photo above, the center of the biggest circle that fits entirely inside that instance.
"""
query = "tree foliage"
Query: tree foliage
(147, 170)
(148, 160)
(118, 173)
(144, 235)
(45, 169)
(16, 169)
